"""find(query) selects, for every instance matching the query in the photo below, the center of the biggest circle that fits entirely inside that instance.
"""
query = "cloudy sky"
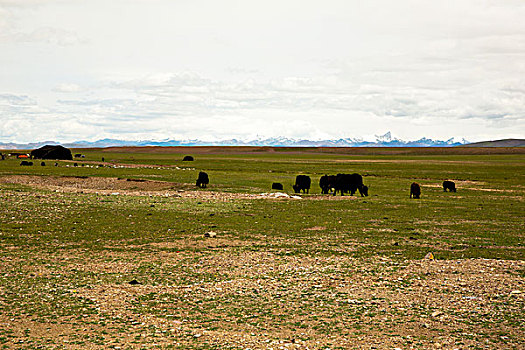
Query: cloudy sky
(184, 69)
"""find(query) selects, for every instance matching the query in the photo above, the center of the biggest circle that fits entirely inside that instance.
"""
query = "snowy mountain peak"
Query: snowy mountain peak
(384, 138)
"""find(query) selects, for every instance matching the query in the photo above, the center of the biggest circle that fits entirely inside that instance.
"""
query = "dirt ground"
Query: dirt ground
(133, 187)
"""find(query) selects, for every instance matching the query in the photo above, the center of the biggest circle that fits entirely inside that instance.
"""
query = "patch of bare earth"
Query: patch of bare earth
(134, 187)
(473, 185)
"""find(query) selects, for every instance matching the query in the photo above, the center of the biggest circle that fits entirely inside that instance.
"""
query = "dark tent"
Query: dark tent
(52, 152)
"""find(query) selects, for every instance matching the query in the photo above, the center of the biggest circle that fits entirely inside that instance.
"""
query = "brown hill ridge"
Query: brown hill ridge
(498, 143)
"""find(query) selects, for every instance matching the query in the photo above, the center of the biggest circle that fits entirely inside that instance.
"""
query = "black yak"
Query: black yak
(203, 180)
(26, 163)
(302, 183)
(327, 183)
(449, 185)
(277, 186)
(415, 190)
(345, 183)
(187, 159)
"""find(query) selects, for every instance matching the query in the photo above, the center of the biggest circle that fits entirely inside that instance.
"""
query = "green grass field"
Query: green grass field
(317, 272)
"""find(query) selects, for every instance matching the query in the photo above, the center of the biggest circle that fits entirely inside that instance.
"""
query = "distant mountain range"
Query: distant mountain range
(385, 140)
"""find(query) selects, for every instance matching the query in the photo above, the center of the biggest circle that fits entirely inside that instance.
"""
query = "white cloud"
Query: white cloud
(68, 88)
(11, 100)
(48, 35)
(160, 69)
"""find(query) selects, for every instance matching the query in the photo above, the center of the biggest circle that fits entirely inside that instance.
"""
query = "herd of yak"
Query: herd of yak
(342, 183)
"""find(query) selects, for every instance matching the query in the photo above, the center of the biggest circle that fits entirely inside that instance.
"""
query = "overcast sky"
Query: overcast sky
(158, 69)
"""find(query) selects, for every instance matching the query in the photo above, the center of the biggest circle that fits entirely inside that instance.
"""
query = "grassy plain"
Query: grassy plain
(317, 272)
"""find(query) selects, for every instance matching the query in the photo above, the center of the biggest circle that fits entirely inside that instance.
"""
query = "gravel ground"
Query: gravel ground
(231, 298)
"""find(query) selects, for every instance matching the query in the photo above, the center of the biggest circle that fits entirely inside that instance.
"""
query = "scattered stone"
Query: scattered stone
(515, 292)
(437, 313)
(429, 256)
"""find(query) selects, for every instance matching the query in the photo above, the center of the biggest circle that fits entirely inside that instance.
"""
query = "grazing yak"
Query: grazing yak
(43, 164)
(26, 163)
(277, 186)
(415, 190)
(203, 180)
(302, 183)
(327, 183)
(187, 159)
(449, 185)
(345, 183)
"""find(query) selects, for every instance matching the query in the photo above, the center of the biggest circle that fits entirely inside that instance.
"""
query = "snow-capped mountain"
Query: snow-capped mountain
(386, 140)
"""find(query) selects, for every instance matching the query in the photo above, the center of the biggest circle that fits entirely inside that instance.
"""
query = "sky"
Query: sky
(212, 70)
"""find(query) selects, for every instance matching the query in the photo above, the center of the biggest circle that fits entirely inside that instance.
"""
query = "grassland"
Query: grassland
(317, 272)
